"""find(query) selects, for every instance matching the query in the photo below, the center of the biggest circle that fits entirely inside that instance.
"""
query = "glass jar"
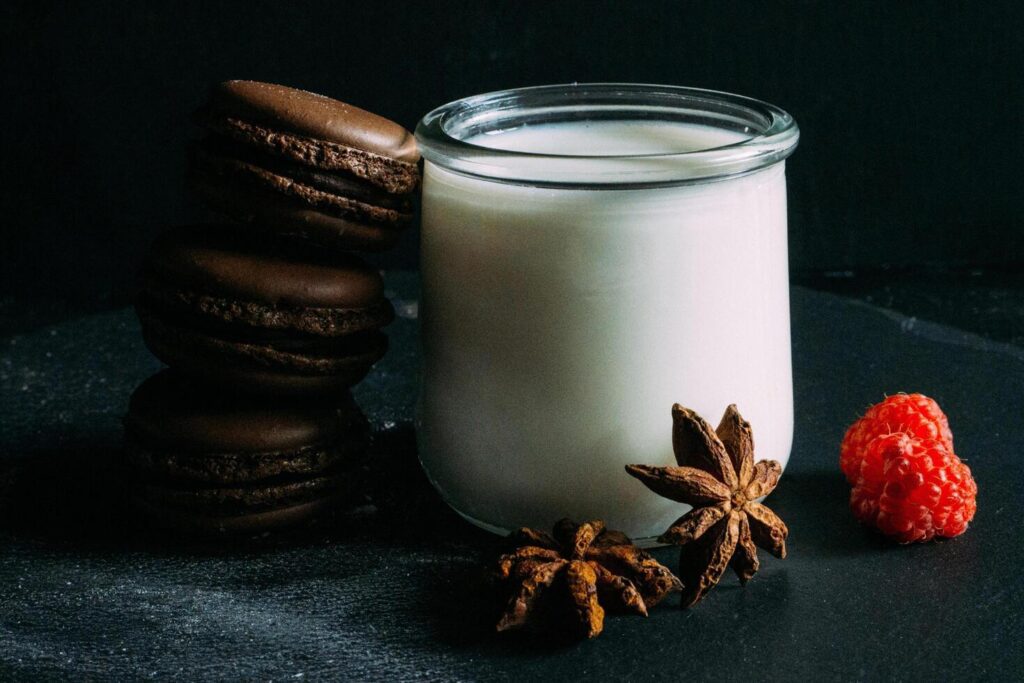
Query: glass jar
(591, 255)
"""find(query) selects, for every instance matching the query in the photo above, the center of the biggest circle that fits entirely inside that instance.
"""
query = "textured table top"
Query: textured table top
(396, 592)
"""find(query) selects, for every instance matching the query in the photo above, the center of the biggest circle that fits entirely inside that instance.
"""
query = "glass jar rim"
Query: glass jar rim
(442, 134)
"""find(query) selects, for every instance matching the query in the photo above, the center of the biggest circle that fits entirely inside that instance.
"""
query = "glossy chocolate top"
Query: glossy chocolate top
(312, 115)
(216, 261)
(166, 411)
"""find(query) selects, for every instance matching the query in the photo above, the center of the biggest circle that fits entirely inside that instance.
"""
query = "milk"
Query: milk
(560, 325)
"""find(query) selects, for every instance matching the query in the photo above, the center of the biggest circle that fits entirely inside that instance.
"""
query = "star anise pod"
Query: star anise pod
(593, 565)
(716, 475)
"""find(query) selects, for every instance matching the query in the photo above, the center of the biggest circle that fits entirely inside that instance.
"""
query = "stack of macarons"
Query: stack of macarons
(267, 317)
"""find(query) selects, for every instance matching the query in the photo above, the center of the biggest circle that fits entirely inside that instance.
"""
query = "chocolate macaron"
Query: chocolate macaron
(305, 166)
(224, 309)
(205, 461)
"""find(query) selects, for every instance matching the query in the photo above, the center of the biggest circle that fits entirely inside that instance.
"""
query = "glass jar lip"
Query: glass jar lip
(773, 134)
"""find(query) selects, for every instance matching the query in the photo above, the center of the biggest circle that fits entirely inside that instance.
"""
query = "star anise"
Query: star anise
(594, 565)
(716, 475)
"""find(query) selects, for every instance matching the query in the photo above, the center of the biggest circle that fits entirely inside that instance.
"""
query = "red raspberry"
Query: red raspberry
(913, 489)
(913, 414)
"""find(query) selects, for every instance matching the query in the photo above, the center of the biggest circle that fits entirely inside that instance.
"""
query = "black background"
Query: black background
(910, 112)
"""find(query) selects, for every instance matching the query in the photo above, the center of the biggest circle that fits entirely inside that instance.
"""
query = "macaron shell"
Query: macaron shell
(213, 260)
(328, 356)
(317, 116)
(245, 499)
(256, 522)
(332, 204)
(329, 181)
(215, 361)
(369, 347)
(171, 412)
(394, 177)
(276, 215)
(231, 469)
(255, 320)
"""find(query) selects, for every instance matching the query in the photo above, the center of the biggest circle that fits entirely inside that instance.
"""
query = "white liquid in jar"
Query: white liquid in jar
(560, 325)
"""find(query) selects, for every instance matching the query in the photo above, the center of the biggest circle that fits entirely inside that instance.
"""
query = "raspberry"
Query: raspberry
(913, 489)
(913, 414)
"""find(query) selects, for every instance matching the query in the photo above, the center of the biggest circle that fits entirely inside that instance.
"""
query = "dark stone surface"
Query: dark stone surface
(398, 592)
(987, 301)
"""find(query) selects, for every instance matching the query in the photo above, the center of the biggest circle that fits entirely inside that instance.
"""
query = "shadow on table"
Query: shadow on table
(462, 607)
(73, 494)
(70, 494)
(815, 505)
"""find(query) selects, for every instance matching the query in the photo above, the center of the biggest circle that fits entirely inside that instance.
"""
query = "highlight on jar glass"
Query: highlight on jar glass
(591, 255)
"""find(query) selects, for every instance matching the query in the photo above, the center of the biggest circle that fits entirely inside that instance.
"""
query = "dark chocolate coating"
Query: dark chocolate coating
(216, 308)
(213, 261)
(236, 317)
(232, 469)
(296, 164)
(315, 116)
(207, 460)
(232, 500)
(254, 367)
(199, 522)
(273, 214)
(169, 413)
(310, 189)
(394, 177)
(344, 185)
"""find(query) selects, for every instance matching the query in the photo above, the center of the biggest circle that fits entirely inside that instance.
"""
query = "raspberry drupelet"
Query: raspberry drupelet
(913, 414)
(913, 489)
